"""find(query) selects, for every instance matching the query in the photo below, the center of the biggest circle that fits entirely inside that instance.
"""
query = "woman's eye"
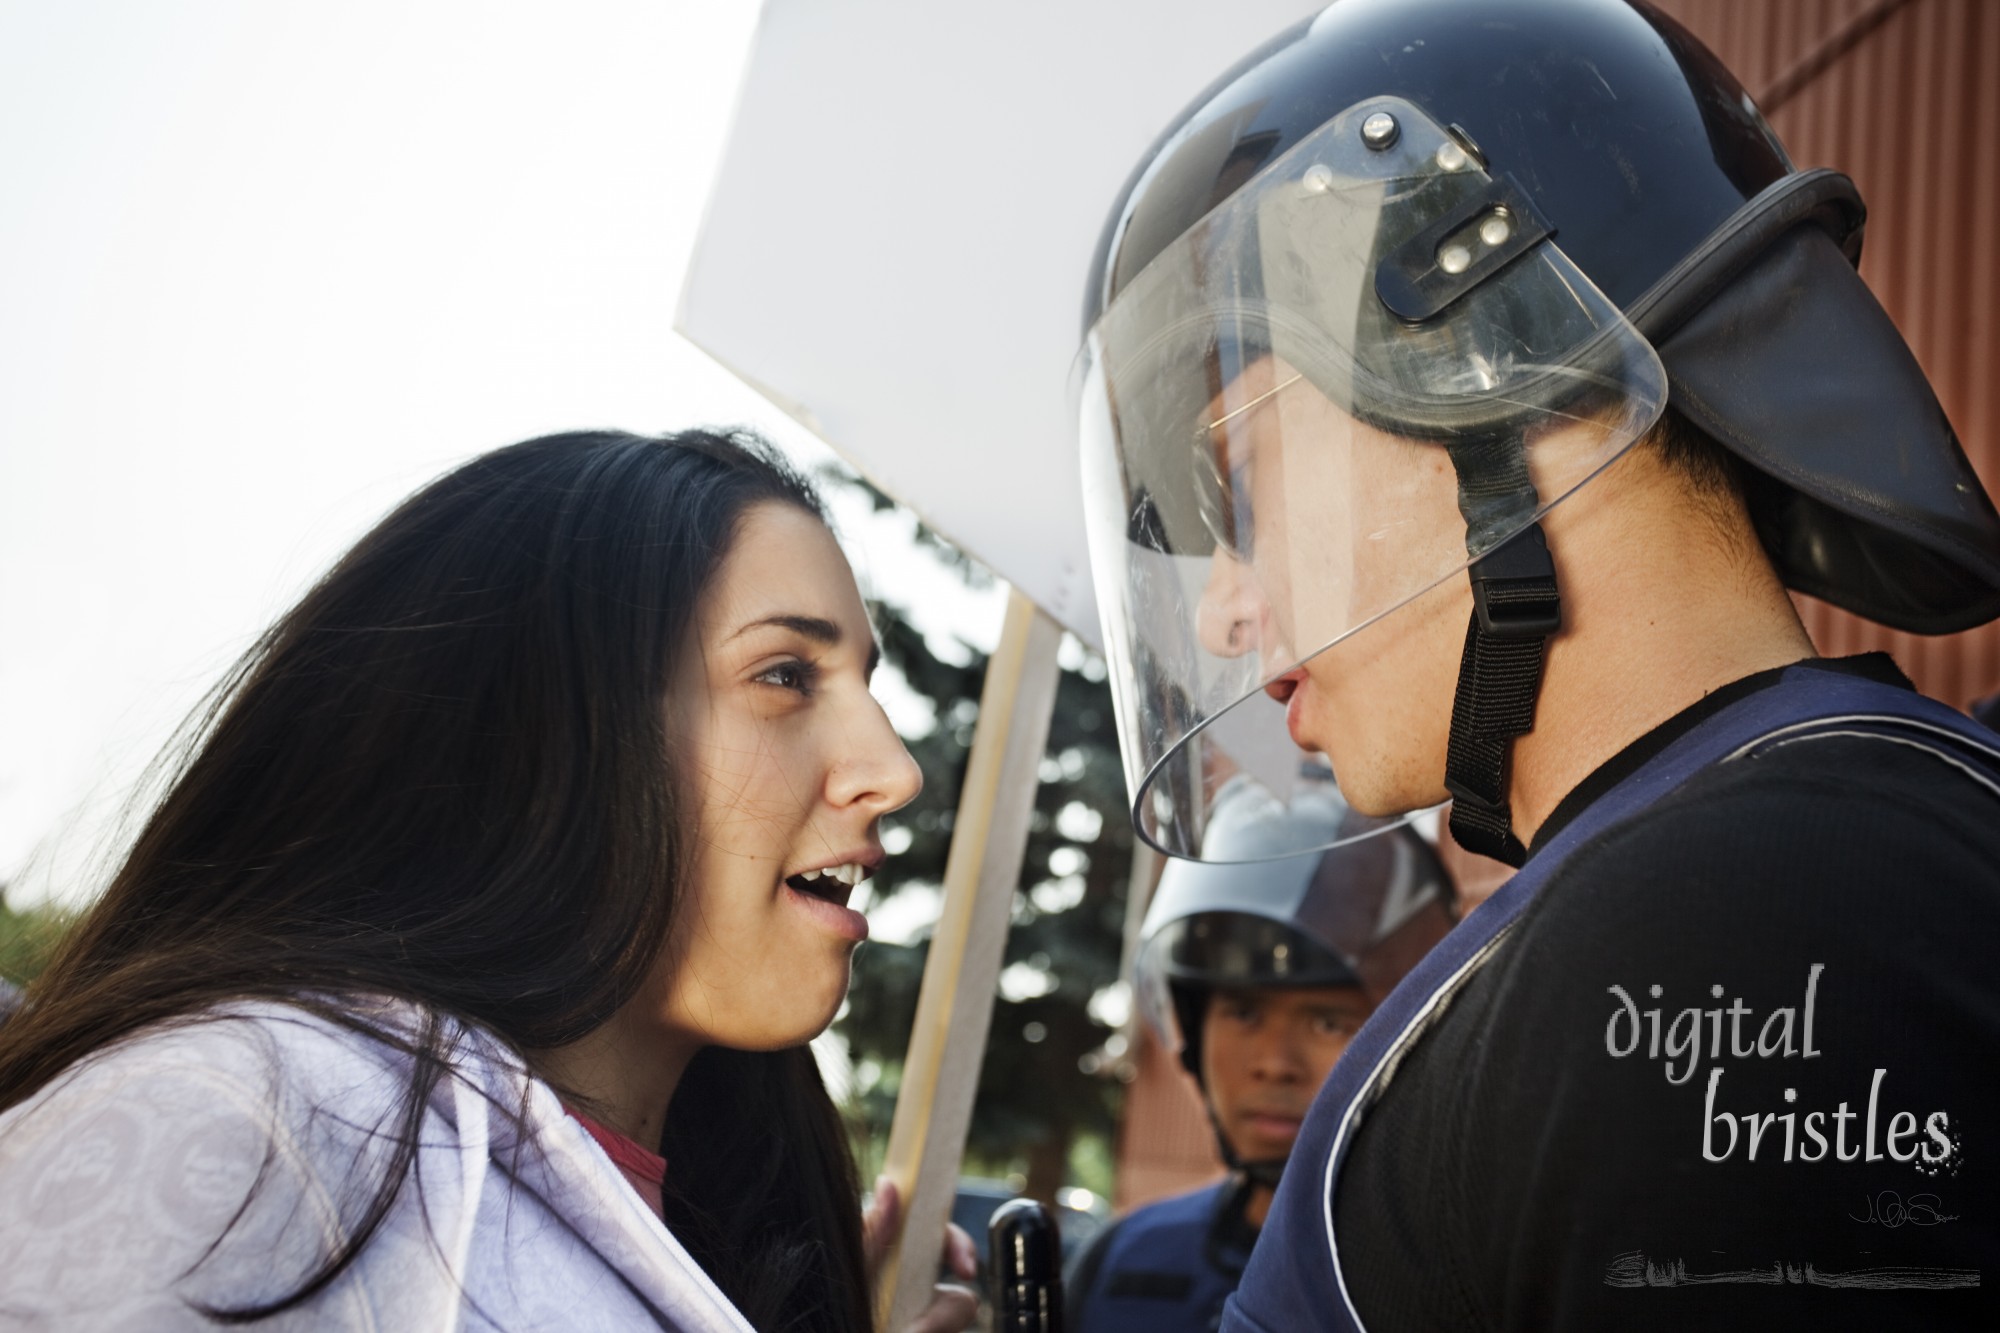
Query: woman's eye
(795, 676)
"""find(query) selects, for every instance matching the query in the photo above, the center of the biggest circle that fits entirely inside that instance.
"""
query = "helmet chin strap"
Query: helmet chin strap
(1264, 1172)
(1515, 607)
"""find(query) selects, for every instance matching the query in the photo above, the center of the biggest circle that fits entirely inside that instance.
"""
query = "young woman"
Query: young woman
(463, 976)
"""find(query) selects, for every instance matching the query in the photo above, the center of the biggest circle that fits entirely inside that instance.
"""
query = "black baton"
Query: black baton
(1025, 1260)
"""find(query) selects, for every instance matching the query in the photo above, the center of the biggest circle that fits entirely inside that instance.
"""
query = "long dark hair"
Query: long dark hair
(447, 775)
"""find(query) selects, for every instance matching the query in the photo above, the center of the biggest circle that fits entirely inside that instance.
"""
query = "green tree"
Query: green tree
(27, 939)
(1040, 1093)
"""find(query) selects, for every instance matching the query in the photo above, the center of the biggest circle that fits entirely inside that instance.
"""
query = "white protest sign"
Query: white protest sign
(897, 243)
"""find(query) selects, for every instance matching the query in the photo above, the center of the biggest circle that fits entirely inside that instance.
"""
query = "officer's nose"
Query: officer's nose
(1233, 610)
(1279, 1056)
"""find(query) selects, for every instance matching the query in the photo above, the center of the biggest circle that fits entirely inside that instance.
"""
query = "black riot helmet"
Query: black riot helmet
(1511, 232)
(1358, 914)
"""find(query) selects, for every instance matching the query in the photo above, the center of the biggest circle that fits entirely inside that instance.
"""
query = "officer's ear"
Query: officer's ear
(1566, 448)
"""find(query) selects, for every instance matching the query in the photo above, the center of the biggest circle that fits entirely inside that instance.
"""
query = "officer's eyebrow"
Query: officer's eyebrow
(817, 628)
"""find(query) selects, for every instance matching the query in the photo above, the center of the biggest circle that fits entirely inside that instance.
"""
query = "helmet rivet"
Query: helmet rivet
(1454, 259)
(1318, 178)
(1450, 156)
(1495, 230)
(1380, 131)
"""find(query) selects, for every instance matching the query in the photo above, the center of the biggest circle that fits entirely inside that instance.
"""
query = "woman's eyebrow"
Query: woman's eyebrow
(817, 628)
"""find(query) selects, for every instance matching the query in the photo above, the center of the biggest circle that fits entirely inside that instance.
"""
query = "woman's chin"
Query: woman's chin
(789, 1021)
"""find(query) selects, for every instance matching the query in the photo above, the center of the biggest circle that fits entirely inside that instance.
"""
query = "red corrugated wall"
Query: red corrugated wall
(1904, 96)
(1165, 1143)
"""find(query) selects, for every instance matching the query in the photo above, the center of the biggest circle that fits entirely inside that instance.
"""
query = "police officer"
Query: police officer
(1256, 975)
(1465, 383)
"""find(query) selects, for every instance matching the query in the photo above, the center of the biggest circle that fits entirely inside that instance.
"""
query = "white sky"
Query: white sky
(268, 267)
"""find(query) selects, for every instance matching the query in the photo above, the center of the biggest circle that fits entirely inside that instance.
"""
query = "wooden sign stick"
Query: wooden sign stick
(955, 1004)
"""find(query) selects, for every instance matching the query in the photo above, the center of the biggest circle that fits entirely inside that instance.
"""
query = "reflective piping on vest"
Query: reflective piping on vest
(1820, 728)
(1384, 1070)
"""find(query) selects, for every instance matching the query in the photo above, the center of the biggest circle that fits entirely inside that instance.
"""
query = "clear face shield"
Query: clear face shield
(1291, 421)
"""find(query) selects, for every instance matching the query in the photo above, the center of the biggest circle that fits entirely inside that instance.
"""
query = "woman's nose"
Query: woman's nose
(1231, 610)
(873, 768)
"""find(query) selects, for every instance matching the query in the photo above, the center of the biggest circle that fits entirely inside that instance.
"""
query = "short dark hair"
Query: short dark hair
(1694, 455)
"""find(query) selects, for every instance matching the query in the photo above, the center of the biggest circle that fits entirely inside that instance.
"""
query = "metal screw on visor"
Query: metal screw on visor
(1380, 131)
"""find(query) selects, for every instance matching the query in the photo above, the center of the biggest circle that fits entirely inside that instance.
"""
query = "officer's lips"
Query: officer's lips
(1285, 689)
(1272, 1127)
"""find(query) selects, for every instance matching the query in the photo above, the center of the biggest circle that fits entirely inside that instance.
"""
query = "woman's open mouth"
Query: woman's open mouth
(833, 883)
(824, 893)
